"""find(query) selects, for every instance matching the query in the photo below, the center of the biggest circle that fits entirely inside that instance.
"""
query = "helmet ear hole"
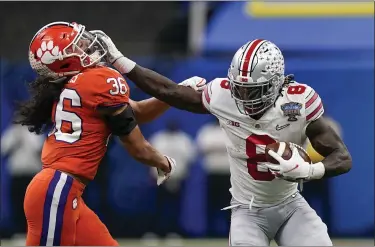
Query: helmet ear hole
(64, 66)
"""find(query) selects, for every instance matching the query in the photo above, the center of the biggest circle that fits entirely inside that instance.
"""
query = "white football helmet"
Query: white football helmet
(256, 75)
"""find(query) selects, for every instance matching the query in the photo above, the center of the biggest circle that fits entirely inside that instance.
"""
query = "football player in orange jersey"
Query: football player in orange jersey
(83, 103)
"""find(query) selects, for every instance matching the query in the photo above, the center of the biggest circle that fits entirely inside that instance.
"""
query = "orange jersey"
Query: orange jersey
(79, 138)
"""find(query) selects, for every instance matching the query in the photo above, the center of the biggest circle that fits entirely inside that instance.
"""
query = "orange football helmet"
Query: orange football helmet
(64, 49)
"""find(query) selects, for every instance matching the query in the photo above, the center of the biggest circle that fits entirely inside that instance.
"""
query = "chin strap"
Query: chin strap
(58, 80)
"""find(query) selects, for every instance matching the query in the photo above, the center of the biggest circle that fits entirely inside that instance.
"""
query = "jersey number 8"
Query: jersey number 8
(254, 158)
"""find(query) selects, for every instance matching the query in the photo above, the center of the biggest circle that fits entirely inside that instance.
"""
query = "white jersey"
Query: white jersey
(247, 138)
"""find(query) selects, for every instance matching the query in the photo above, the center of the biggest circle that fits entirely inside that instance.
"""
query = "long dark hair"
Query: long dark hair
(36, 112)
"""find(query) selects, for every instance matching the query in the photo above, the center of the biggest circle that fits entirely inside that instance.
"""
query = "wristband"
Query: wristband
(124, 65)
(317, 170)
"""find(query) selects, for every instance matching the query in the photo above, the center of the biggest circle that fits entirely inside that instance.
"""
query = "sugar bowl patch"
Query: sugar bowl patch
(291, 110)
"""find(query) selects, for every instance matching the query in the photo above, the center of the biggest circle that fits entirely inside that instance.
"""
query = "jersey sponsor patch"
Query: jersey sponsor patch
(280, 127)
(291, 110)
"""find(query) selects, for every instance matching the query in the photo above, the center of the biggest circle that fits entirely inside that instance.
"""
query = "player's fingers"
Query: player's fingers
(102, 37)
(275, 156)
(294, 151)
(172, 163)
(201, 82)
(201, 85)
(198, 78)
(296, 154)
(98, 32)
(161, 177)
(200, 89)
(273, 167)
(278, 175)
(160, 180)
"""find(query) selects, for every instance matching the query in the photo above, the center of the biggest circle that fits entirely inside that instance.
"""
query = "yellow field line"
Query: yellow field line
(309, 9)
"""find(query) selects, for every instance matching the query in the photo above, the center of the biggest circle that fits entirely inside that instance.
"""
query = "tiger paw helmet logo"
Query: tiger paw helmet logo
(48, 53)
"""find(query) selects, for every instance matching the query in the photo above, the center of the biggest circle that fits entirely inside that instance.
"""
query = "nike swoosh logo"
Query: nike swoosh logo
(291, 169)
(281, 127)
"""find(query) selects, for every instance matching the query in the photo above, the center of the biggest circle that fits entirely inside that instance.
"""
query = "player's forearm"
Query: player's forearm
(327, 143)
(141, 150)
(337, 159)
(151, 157)
(337, 163)
(150, 109)
(164, 89)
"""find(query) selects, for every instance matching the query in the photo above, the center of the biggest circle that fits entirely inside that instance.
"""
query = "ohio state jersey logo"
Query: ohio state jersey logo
(291, 110)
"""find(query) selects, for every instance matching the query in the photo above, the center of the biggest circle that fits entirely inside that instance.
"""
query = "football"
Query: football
(284, 149)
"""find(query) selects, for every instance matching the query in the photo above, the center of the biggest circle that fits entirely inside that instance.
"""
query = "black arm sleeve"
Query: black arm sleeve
(123, 123)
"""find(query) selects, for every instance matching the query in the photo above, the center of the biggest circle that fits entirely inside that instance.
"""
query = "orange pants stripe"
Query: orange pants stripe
(57, 215)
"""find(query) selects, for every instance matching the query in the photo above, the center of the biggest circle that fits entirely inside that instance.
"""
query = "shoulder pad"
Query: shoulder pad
(106, 86)
(213, 90)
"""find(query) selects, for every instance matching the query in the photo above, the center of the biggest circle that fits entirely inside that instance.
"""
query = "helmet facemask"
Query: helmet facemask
(86, 46)
(253, 98)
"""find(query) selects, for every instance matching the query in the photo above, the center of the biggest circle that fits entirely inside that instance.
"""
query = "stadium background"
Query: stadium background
(328, 46)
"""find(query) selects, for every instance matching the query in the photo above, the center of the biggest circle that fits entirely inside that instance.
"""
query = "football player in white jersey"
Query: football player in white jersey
(257, 105)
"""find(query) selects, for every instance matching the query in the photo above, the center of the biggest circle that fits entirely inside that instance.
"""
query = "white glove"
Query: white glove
(114, 56)
(294, 169)
(163, 176)
(113, 52)
(197, 83)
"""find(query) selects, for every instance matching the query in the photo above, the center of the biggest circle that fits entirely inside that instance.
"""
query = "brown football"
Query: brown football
(284, 149)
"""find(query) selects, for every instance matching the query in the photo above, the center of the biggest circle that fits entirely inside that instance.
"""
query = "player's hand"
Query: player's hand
(163, 176)
(112, 52)
(197, 83)
(293, 170)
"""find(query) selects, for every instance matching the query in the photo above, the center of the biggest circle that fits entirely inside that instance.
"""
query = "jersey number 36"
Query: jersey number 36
(62, 115)
(71, 118)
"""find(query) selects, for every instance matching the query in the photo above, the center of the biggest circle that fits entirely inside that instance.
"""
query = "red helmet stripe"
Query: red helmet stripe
(248, 54)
